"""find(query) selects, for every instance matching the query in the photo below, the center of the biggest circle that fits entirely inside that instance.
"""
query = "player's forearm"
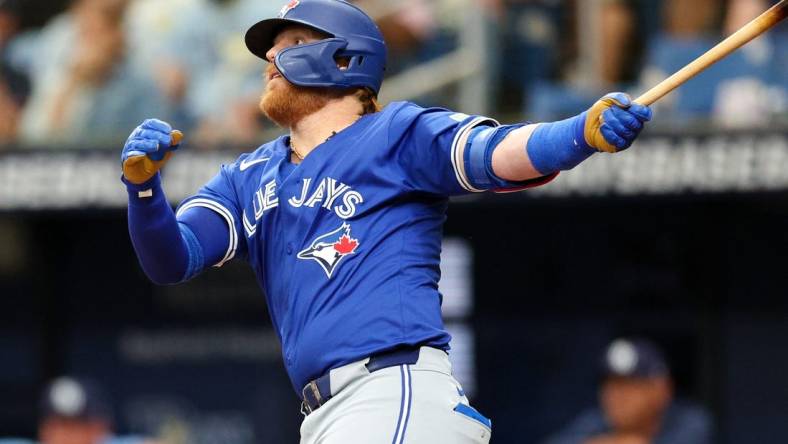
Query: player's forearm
(159, 241)
(612, 124)
(170, 249)
(541, 149)
(510, 161)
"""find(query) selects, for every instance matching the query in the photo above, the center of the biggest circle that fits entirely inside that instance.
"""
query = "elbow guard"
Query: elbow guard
(478, 156)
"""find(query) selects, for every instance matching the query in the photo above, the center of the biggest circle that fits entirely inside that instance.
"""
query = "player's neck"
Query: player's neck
(318, 127)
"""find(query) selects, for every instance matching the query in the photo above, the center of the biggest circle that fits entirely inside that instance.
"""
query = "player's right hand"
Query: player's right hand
(147, 149)
(614, 122)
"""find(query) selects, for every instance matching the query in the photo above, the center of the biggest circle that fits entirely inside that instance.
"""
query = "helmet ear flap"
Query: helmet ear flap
(331, 63)
(313, 64)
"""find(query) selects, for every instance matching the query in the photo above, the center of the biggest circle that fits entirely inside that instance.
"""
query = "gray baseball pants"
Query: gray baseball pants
(414, 404)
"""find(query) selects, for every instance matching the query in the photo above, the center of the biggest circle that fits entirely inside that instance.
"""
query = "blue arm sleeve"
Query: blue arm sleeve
(155, 234)
(559, 146)
(210, 232)
(170, 251)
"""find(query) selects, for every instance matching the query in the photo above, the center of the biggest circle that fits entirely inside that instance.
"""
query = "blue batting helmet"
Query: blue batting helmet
(352, 34)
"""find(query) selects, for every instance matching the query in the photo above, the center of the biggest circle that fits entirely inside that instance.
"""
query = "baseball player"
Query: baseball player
(341, 221)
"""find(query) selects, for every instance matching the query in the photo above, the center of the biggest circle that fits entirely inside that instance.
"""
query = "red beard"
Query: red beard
(287, 104)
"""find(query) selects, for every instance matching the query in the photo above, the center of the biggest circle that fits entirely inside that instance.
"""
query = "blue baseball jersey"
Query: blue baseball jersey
(346, 245)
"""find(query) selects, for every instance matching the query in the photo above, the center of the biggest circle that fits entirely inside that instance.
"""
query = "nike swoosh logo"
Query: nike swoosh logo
(246, 165)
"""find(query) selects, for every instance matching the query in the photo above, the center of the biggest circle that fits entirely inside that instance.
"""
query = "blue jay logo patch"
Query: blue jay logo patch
(329, 249)
(288, 7)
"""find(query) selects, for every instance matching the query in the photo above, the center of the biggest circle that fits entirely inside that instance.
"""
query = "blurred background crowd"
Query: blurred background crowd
(87, 71)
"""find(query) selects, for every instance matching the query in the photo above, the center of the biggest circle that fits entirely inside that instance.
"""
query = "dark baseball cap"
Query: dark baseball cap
(634, 358)
(68, 397)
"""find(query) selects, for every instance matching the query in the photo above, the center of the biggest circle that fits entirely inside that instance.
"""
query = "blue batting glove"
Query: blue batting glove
(147, 149)
(614, 122)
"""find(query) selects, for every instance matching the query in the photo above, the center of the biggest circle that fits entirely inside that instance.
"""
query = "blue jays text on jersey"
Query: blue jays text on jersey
(329, 193)
(346, 245)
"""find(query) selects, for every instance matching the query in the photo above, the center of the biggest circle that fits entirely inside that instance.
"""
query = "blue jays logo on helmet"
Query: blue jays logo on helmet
(329, 249)
(288, 7)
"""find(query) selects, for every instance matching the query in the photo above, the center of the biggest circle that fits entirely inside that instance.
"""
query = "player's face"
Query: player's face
(631, 404)
(284, 103)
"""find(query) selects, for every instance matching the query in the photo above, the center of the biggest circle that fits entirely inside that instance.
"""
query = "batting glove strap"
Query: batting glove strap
(143, 192)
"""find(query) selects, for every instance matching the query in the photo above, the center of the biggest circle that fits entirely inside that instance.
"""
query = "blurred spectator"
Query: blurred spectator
(587, 52)
(407, 26)
(617, 26)
(636, 403)
(781, 62)
(688, 30)
(533, 36)
(204, 66)
(418, 32)
(14, 84)
(76, 412)
(756, 89)
(92, 95)
(601, 51)
(744, 90)
(152, 26)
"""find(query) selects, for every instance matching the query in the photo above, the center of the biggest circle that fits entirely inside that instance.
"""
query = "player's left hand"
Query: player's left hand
(614, 122)
(147, 149)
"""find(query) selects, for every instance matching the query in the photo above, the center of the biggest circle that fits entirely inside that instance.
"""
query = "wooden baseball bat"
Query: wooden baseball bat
(750, 31)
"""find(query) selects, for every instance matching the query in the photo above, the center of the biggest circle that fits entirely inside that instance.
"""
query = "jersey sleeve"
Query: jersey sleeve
(434, 151)
(221, 196)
